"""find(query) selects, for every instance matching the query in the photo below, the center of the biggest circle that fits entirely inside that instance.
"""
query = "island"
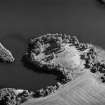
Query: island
(79, 67)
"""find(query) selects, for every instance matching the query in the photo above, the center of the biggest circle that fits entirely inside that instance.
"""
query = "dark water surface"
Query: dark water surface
(19, 19)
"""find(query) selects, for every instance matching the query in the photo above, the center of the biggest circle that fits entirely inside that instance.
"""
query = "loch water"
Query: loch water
(21, 20)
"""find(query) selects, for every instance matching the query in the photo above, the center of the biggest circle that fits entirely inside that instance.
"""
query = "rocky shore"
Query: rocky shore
(5, 54)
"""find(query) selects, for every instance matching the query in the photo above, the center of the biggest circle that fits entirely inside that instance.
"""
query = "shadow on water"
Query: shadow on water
(101, 2)
(35, 68)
